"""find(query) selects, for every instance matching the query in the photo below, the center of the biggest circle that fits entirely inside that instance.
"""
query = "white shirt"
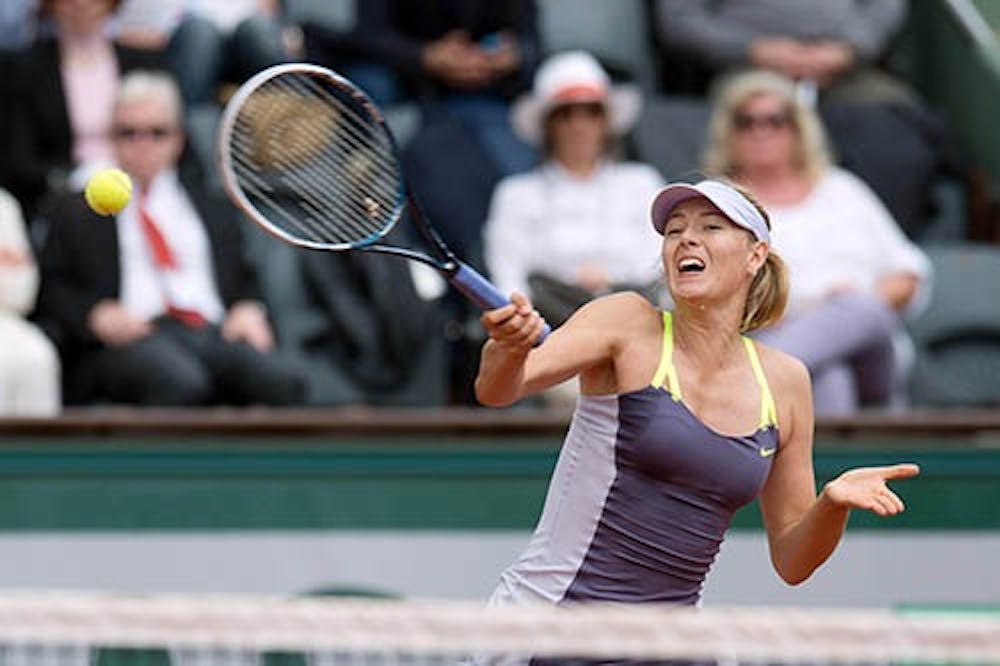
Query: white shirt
(551, 221)
(842, 235)
(145, 287)
(18, 282)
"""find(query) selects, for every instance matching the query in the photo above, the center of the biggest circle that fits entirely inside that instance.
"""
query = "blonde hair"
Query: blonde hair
(812, 155)
(768, 294)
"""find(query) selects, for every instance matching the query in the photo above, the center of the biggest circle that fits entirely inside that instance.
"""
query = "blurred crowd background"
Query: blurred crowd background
(534, 134)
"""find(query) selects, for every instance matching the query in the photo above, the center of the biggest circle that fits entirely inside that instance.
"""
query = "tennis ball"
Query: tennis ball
(108, 191)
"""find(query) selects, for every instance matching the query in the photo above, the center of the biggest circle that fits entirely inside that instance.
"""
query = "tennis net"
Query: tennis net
(72, 628)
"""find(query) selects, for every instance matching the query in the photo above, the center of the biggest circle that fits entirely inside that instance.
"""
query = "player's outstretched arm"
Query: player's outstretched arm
(511, 367)
(804, 529)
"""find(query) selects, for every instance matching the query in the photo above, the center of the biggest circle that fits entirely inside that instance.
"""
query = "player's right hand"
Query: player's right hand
(516, 326)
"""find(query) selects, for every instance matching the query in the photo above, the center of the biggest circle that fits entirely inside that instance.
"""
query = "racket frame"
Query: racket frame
(459, 274)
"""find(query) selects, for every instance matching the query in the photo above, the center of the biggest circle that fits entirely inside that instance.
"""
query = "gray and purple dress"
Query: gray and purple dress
(641, 497)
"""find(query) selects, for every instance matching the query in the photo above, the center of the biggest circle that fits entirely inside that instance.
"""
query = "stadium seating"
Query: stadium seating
(958, 337)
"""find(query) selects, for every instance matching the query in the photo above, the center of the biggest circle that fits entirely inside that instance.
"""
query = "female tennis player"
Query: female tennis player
(681, 421)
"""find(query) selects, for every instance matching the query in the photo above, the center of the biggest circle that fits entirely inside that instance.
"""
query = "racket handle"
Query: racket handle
(483, 293)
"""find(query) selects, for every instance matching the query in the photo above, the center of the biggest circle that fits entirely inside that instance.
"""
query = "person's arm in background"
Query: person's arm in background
(148, 24)
(862, 36)
(699, 28)
(18, 271)
(67, 302)
(246, 316)
(453, 57)
(871, 25)
(906, 281)
(694, 27)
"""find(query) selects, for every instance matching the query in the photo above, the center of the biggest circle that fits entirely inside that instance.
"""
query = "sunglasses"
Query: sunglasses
(131, 133)
(772, 121)
(588, 109)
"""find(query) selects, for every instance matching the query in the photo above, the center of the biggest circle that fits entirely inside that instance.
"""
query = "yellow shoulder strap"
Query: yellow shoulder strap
(666, 369)
(768, 412)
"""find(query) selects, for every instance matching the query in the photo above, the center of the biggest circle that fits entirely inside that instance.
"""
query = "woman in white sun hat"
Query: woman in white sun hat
(576, 226)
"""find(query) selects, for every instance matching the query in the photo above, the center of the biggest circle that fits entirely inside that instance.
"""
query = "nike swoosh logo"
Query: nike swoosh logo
(767, 453)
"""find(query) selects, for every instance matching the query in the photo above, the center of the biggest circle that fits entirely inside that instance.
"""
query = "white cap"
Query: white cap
(726, 198)
(569, 78)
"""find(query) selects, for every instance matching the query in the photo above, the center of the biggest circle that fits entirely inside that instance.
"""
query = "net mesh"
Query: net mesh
(309, 157)
(57, 629)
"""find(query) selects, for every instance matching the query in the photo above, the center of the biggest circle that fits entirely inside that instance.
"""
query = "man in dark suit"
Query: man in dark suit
(157, 306)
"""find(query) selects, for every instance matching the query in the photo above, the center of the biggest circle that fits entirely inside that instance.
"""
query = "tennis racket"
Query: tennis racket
(309, 157)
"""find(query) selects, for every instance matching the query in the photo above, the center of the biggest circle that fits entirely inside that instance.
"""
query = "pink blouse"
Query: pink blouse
(90, 85)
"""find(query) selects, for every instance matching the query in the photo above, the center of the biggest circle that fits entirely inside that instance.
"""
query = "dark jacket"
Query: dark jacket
(394, 33)
(80, 264)
(41, 137)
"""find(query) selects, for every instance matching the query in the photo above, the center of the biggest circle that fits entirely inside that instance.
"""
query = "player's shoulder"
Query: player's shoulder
(621, 307)
(785, 373)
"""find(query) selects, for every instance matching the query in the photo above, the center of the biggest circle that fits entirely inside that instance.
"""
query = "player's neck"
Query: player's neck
(709, 333)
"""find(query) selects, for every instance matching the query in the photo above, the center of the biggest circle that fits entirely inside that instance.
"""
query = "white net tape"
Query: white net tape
(447, 630)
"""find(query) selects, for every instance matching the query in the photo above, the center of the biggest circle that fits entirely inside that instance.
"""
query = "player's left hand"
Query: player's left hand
(867, 488)
(247, 322)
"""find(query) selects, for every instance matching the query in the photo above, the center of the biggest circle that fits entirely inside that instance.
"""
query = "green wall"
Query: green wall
(420, 482)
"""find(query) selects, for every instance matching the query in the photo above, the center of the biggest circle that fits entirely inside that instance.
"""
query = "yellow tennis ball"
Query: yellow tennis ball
(108, 191)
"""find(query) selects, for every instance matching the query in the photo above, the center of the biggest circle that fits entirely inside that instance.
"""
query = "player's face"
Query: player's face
(147, 138)
(707, 258)
(764, 134)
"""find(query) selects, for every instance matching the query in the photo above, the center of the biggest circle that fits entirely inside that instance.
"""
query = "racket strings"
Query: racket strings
(316, 166)
(318, 193)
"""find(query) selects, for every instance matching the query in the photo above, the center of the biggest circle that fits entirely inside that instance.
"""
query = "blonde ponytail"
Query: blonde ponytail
(768, 295)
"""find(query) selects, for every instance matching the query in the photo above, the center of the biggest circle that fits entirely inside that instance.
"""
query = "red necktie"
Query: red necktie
(165, 261)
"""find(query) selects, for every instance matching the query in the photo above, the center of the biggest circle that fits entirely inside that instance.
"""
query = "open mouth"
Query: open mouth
(691, 265)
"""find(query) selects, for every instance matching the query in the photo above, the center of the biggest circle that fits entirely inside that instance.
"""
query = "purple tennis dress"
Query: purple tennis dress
(641, 497)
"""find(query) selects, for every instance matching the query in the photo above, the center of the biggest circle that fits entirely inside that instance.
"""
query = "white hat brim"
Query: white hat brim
(624, 103)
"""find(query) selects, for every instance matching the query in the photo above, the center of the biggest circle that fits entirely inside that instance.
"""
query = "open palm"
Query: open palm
(867, 488)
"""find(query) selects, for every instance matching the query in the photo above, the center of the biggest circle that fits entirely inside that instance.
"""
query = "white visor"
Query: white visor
(727, 199)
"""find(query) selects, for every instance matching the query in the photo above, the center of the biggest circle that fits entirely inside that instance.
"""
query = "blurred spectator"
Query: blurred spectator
(577, 226)
(853, 272)
(207, 42)
(18, 24)
(832, 49)
(29, 365)
(65, 87)
(159, 306)
(463, 61)
(832, 45)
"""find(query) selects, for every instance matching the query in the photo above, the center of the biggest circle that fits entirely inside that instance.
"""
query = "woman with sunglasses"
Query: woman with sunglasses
(575, 227)
(854, 274)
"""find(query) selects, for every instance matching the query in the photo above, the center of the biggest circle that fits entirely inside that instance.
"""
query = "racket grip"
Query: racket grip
(483, 293)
